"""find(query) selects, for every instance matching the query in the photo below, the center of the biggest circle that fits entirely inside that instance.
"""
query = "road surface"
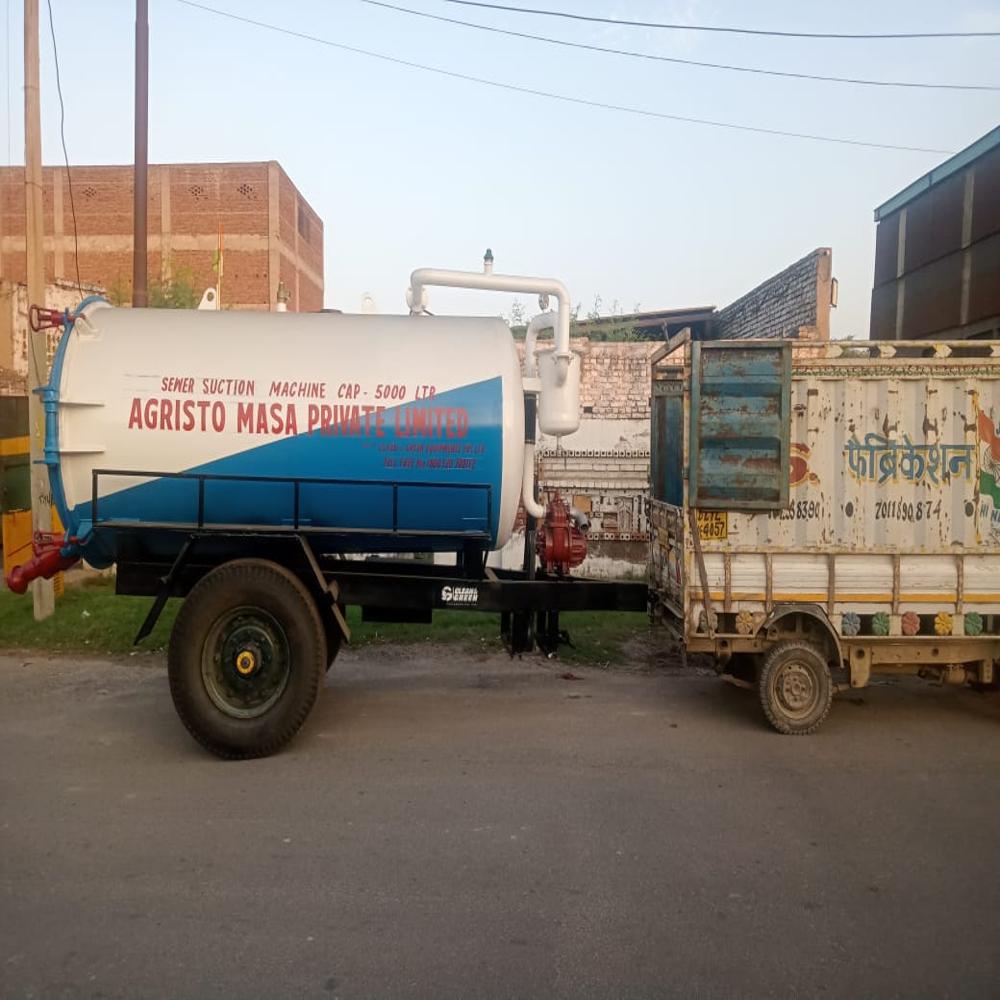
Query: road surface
(453, 826)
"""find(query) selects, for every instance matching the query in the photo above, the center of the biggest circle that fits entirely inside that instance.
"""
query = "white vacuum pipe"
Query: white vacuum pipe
(424, 276)
(531, 505)
(543, 321)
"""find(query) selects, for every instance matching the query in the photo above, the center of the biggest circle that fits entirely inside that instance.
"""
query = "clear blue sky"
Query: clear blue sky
(409, 169)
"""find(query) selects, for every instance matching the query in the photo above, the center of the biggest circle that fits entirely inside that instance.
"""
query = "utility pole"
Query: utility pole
(140, 273)
(41, 501)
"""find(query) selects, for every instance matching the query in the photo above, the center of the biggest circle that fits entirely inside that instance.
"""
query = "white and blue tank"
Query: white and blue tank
(371, 433)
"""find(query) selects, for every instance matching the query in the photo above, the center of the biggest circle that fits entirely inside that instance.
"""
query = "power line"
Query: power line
(674, 59)
(62, 135)
(565, 98)
(842, 36)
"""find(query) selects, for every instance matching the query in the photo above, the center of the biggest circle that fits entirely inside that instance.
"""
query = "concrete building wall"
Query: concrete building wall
(795, 303)
(14, 329)
(269, 231)
(604, 467)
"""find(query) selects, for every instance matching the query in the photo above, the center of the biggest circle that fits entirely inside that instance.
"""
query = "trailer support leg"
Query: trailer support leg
(166, 584)
(329, 589)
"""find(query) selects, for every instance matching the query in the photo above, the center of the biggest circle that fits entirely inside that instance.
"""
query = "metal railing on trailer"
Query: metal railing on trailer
(294, 523)
(165, 559)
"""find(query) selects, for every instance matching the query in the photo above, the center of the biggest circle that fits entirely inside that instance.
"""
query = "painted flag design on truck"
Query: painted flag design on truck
(989, 477)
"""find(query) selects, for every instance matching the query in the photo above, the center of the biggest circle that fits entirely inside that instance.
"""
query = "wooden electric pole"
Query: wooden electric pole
(140, 272)
(41, 500)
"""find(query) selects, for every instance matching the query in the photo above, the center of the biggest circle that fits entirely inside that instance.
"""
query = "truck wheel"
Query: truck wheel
(795, 688)
(246, 658)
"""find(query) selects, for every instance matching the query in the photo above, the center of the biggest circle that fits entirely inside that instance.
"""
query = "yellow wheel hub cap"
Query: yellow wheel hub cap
(245, 662)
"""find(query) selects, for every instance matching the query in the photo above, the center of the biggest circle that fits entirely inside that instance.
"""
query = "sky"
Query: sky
(410, 169)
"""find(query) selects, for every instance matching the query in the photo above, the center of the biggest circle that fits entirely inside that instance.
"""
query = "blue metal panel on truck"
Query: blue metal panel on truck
(740, 395)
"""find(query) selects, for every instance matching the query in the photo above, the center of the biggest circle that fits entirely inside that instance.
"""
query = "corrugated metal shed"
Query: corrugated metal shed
(937, 251)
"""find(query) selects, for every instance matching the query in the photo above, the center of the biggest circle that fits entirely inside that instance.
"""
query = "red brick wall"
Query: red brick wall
(187, 204)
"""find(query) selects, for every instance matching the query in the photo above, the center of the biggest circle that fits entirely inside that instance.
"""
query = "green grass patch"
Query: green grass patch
(91, 618)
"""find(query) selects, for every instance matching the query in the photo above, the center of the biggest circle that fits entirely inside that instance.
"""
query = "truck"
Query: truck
(818, 512)
(822, 513)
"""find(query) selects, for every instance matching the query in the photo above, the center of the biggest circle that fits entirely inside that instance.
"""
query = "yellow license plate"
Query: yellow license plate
(713, 525)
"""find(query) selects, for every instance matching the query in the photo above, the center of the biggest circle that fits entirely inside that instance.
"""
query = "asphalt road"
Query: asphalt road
(451, 827)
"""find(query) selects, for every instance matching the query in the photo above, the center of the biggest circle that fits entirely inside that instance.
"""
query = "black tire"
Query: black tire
(795, 688)
(246, 658)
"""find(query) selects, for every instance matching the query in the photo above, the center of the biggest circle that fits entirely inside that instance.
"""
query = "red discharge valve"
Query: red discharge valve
(561, 544)
(51, 555)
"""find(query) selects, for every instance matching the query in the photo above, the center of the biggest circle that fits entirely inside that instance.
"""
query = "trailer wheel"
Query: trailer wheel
(246, 658)
(795, 687)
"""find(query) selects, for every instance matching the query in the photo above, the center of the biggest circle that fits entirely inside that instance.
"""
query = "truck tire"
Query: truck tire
(795, 687)
(246, 658)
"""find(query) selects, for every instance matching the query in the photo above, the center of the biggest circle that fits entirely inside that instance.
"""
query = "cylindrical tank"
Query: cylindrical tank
(377, 433)
(559, 400)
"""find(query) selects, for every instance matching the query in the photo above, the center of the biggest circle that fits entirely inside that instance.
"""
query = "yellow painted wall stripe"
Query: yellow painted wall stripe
(14, 446)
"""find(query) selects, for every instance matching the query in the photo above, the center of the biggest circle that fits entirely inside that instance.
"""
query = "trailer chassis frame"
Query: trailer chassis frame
(386, 589)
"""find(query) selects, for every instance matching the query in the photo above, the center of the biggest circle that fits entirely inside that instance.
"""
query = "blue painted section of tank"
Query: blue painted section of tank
(50, 402)
(436, 473)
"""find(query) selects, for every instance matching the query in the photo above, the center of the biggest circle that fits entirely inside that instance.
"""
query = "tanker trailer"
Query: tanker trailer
(249, 462)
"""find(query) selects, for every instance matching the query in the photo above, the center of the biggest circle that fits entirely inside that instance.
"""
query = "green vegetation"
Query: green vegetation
(176, 292)
(600, 324)
(89, 618)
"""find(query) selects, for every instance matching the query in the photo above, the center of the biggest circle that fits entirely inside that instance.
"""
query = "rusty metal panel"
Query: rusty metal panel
(986, 197)
(984, 279)
(739, 445)
(884, 302)
(667, 441)
(934, 223)
(887, 250)
(932, 298)
(666, 562)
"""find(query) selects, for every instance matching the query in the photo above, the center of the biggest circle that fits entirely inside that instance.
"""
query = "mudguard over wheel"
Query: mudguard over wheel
(246, 658)
(795, 687)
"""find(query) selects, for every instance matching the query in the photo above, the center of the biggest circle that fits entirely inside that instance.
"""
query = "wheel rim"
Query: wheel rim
(245, 662)
(795, 689)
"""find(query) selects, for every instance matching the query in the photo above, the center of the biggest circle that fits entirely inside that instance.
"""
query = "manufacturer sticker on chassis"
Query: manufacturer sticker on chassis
(459, 595)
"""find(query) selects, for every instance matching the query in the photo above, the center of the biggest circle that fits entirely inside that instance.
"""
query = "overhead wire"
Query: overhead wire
(726, 29)
(62, 136)
(676, 59)
(565, 98)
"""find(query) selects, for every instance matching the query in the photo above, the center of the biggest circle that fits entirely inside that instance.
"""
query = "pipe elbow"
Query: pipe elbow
(531, 505)
(543, 321)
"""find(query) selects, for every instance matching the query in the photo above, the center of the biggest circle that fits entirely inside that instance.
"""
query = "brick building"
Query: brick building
(794, 303)
(269, 231)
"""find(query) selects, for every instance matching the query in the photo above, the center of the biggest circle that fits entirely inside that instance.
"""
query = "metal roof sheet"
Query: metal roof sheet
(958, 162)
